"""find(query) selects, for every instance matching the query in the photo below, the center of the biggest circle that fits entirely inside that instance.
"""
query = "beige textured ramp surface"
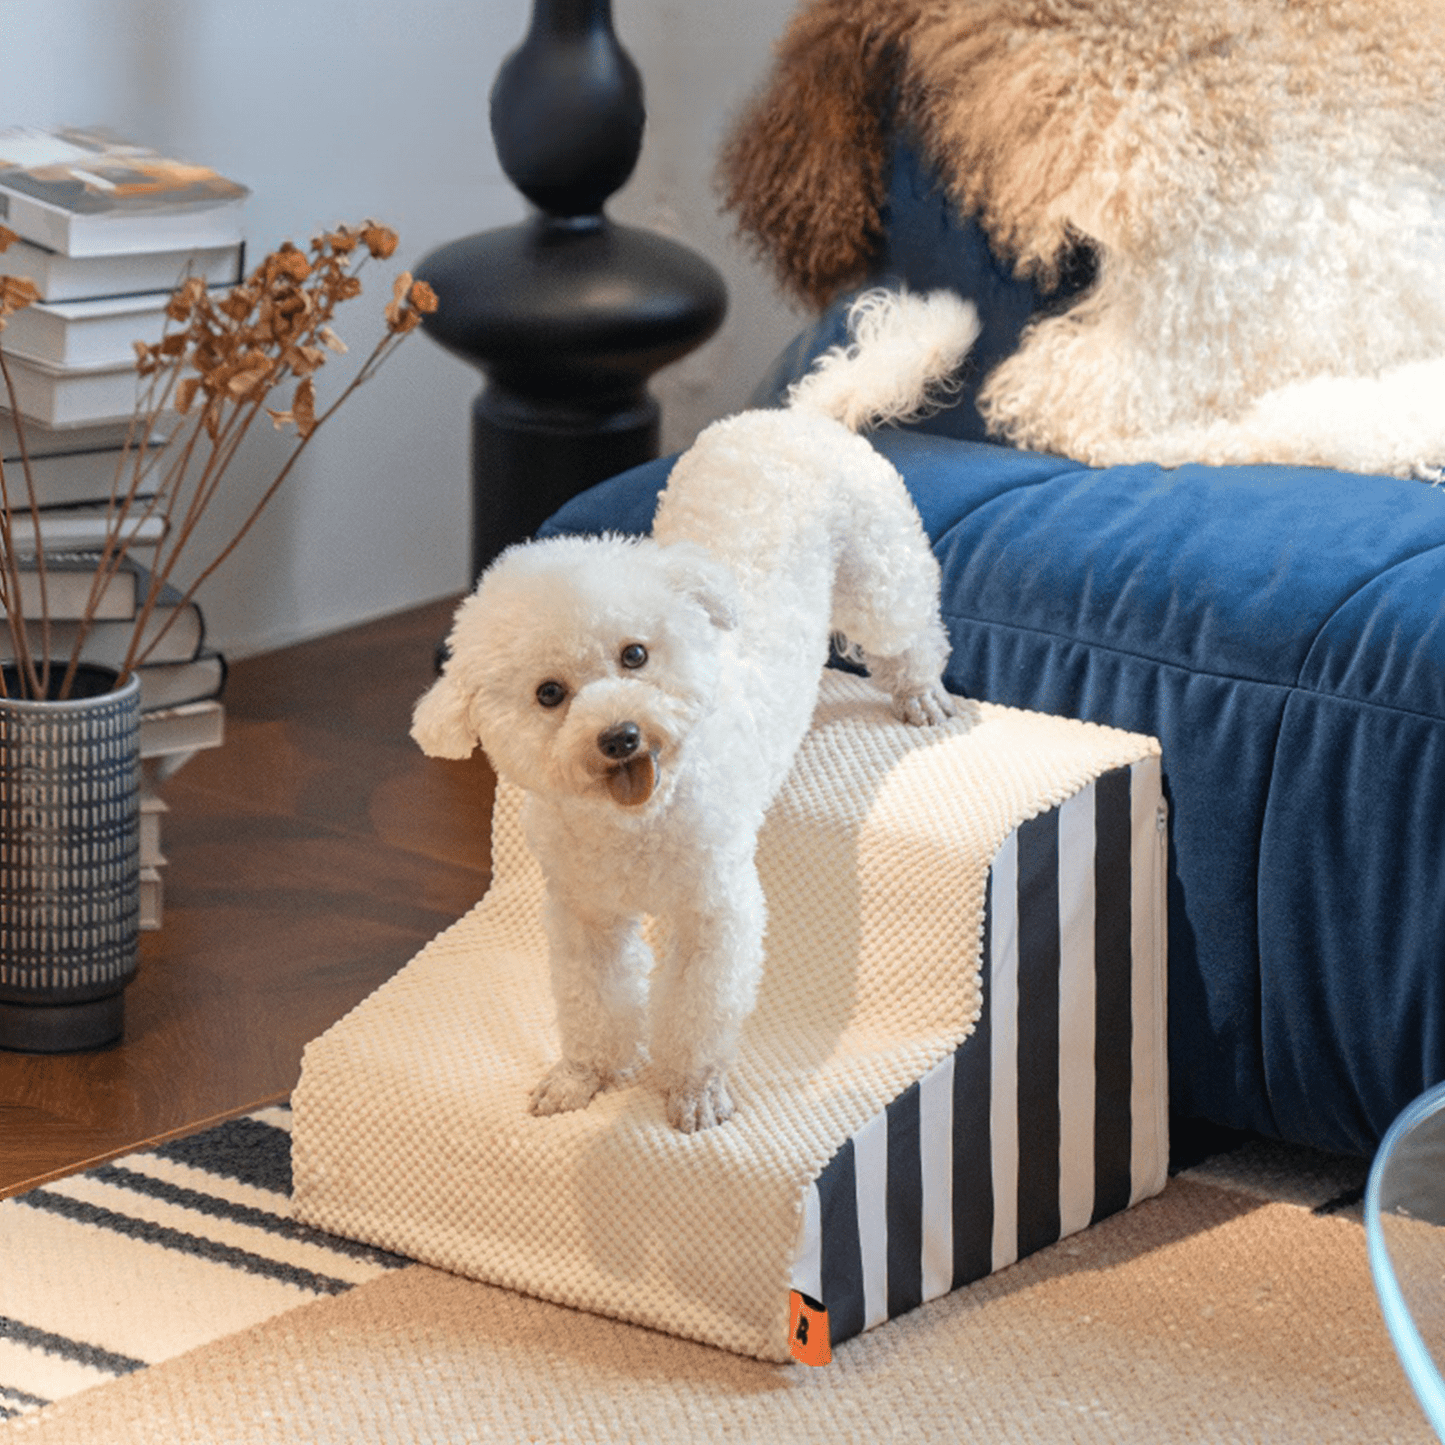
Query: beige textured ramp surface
(411, 1128)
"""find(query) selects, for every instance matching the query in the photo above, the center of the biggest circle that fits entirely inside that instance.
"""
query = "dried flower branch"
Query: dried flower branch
(217, 365)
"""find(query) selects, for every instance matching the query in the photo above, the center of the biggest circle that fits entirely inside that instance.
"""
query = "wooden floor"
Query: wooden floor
(309, 858)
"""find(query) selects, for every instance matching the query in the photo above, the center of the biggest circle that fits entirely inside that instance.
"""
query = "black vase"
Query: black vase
(69, 862)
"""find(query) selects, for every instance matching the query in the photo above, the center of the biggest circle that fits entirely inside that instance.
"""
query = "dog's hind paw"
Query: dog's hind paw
(691, 1107)
(565, 1087)
(926, 709)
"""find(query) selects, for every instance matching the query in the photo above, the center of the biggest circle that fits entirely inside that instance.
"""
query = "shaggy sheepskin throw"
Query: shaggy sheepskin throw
(1262, 183)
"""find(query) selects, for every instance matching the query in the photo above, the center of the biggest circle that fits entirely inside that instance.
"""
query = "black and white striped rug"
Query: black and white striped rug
(142, 1259)
(105, 1273)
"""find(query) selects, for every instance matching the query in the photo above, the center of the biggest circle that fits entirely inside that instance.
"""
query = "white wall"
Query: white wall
(699, 62)
(337, 112)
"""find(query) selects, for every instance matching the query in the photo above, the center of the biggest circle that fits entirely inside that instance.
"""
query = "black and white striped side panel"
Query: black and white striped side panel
(1053, 1113)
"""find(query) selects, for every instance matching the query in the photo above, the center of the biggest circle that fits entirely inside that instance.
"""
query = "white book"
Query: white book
(90, 335)
(107, 642)
(169, 684)
(68, 584)
(44, 441)
(152, 809)
(184, 729)
(84, 528)
(68, 479)
(67, 396)
(152, 899)
(88, 193)
(79, 278)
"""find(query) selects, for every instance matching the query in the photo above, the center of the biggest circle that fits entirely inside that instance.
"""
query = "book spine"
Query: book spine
(33, 221)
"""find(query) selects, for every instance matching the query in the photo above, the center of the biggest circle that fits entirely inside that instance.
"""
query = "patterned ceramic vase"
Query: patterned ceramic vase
(69, 863)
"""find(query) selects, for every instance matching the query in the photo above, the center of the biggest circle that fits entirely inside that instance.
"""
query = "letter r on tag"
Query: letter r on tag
(808, 1330)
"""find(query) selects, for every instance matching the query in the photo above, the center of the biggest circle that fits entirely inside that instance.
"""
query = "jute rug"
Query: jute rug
(1236, 1306)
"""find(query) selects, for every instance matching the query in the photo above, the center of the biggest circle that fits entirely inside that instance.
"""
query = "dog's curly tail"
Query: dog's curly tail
(900, 363)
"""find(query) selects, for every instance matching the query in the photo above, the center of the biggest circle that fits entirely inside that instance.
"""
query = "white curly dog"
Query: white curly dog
(650, 695)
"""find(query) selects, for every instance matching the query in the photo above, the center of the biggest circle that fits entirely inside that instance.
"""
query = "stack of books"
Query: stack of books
(107, 231)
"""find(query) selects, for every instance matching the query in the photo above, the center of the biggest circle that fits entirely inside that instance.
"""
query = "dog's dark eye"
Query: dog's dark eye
(634, 655)
(551, 694)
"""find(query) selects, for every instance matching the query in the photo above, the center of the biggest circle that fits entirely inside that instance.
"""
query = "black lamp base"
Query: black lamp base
(568, 320)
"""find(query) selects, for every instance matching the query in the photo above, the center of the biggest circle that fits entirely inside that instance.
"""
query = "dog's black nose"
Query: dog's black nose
(620, 742)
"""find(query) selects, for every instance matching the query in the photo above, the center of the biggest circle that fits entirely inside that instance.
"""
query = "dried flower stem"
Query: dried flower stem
(37, 684)
(217, 364)
(138, 653)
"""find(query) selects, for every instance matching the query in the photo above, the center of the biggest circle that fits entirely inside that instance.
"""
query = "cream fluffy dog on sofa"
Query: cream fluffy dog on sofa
(649, 696)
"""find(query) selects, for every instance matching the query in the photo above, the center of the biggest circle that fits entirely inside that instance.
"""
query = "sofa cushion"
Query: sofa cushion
(928, 245)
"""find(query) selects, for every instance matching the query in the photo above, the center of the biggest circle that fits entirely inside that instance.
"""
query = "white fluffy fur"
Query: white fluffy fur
(1264, 183)
(908, 371)
(776, 528)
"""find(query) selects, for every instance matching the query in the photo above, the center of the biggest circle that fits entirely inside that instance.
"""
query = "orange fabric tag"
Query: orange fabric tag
(808, 1330)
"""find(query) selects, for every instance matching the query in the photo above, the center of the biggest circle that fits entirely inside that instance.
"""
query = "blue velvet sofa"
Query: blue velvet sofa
(1280, 630)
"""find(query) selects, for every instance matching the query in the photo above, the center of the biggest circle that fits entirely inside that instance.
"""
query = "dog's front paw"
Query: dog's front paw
(926, 709)
(691, 1107)
(565, 1087)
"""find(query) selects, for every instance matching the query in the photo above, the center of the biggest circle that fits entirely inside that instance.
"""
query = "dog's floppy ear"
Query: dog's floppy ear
(696, 573)
(439, 723)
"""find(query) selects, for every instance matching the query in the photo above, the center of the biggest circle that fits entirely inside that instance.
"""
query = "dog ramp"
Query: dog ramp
(957, 1057)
